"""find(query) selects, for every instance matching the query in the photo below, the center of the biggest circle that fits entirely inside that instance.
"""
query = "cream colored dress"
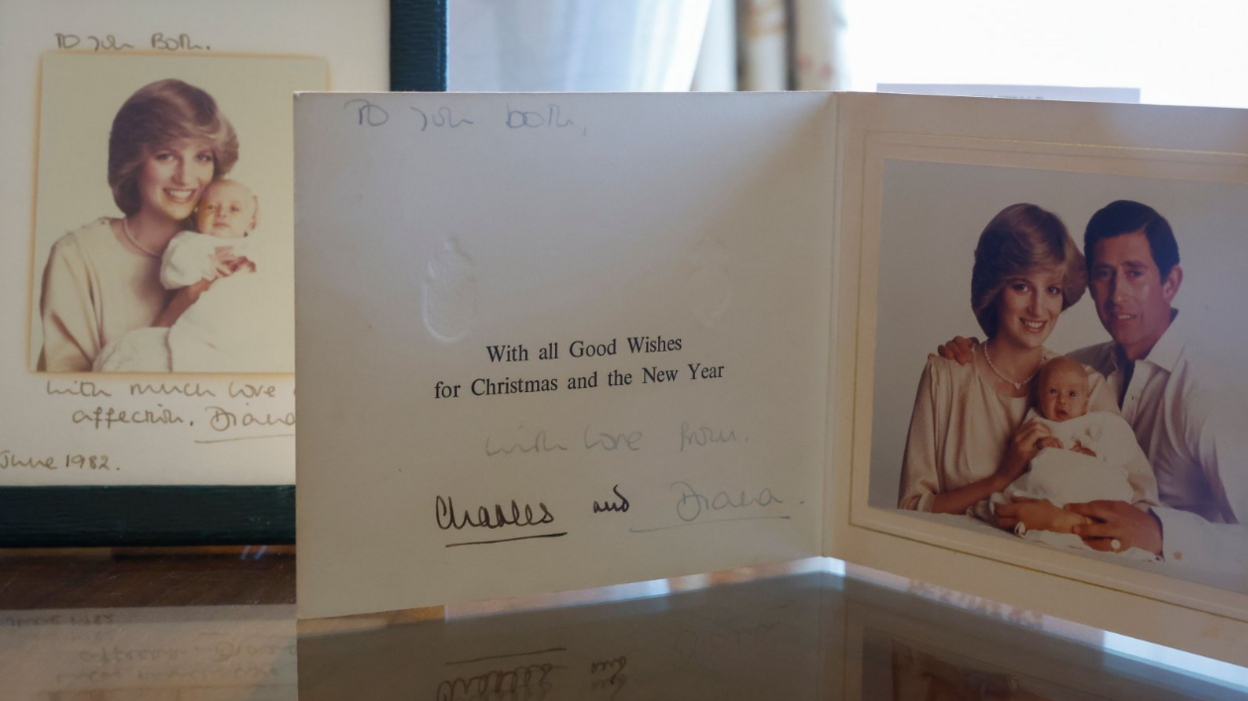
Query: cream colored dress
(960, 427)
(95, 289)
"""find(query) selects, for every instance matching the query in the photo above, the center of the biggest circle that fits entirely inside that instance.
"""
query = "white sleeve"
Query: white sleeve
(1214, 431)
(1191, 542)
(187, 260)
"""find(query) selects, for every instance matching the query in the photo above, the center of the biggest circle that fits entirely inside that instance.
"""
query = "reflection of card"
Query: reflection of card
(143, 653)
(69, 66)
(560, 342)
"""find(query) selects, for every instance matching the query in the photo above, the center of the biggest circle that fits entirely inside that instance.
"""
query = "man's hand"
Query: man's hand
(1118, 526)
(958, 350)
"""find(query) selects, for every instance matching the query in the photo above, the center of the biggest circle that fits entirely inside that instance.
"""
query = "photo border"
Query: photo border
(1150, 141)
(1057, 158)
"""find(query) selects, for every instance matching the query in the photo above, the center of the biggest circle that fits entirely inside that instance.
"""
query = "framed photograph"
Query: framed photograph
(127, 124)
(1099, 247)
(1188, 312)
(198, 161)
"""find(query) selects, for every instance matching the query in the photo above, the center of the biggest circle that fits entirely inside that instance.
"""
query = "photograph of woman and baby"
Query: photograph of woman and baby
(1133, 446)
(187, 276)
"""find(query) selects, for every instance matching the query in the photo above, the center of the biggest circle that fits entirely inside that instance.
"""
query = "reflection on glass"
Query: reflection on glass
(814, 636)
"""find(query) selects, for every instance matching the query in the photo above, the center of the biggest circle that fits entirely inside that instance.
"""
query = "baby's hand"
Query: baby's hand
(1081, 448)
(223, 261)
(1048, 442)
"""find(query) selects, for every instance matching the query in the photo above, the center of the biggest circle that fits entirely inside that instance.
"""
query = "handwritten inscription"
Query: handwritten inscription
(612, 506)
(181, 42)
(528, 682)
(106, 418)
(610, 441)
(222, 419)
(692, 504)
(500, 516)
(168, 389)
(109, 42)
(442, 117)
(540, 443)
(550, 117)
(370, 114)
(76, 388)
(703, 436)
(69, 461)
(250, 391)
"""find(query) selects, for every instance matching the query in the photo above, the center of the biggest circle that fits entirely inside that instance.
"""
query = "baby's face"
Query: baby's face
(227, 210)
(1064, 394)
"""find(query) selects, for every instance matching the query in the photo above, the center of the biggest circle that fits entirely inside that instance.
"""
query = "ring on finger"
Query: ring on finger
(1115, 545)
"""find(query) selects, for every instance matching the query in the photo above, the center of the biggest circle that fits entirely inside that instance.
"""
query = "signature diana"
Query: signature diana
(691, 503)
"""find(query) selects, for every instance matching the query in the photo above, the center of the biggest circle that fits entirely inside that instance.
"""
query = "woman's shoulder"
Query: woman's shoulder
(91, 234)
(93, 240)
(943, 376)
(948, 369)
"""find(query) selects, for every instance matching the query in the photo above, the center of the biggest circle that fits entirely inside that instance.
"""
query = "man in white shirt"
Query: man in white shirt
(1192, 426)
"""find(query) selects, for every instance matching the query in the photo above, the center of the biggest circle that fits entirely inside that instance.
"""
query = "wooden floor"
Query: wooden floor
(124, 578)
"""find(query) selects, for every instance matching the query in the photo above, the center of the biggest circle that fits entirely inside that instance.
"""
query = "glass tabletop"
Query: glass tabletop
(216, 625)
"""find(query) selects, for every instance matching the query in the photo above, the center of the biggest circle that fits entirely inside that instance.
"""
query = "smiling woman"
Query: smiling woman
(168, 142)
(1027, 271)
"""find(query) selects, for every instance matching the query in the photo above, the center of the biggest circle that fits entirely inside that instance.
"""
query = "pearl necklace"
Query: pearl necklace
(125, 229)
(1017, 385)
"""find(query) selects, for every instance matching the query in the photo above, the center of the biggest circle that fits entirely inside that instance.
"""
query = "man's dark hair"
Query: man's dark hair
(1127, 217)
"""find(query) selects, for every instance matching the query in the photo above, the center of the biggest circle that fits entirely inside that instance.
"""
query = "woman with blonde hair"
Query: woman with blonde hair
(965, 442)
(168, 141)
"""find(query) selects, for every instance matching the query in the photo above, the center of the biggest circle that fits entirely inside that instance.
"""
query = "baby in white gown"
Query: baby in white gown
(1089, 456)
(217, 333)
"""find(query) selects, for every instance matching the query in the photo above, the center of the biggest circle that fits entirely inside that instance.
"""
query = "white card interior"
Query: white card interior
(453, 227)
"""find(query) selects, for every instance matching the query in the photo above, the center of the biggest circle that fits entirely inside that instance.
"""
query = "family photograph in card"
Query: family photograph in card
(1097, 408)
(164, 224)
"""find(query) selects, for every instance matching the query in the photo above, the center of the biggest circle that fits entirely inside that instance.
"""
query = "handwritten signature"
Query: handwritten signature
(444, 508)
(692, 503)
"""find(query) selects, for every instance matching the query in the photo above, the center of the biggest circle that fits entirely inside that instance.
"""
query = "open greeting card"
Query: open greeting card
(547, 342)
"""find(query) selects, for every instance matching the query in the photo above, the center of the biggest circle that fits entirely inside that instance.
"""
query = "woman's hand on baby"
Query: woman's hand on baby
(182, 300)
(1024, 445)
(1036, 515)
